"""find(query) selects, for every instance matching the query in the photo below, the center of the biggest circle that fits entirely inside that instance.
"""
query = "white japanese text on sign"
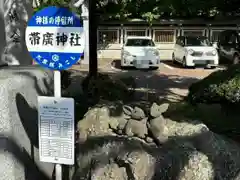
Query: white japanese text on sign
(58, 20)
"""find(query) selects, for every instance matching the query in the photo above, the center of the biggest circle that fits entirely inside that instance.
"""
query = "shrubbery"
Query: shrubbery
(65, 79)
(107, 88)
(221, 87)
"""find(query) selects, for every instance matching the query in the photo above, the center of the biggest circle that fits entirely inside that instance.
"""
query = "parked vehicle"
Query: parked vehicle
(139, 52)
(195, 50)
(229, 45)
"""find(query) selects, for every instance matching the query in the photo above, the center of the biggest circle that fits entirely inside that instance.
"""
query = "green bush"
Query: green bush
(219, 87)
(106, 88)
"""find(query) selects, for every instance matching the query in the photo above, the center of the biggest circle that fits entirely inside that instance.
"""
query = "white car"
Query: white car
(139, 52)
(191, 51)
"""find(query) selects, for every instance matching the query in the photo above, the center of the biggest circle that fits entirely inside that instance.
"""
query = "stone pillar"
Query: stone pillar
(14, 15)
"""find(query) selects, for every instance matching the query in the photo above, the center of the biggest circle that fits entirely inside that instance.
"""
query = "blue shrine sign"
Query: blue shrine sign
(55, 38)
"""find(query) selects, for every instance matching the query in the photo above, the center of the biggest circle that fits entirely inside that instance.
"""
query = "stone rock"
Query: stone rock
(126, 116)
(138, 114)
(149, 140)
(113, 123)
(157, 110)
(211, 157)
(82, 136)
(158, 129)
(197, 167)
(122, 123)
(118, 155)
(191, 152)
(110, 172)
(222, 152)
(13, 50)
(184, 128)
(96, 122)
(19, 151)
(135, 127)
(120, 131)
(137, 161)
(127, 110)
(184, 161)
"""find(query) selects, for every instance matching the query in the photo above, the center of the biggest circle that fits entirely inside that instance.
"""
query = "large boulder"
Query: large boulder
(189, 150)
(19, 154)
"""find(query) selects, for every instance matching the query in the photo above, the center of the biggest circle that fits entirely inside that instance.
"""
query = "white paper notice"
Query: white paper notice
(56, 129)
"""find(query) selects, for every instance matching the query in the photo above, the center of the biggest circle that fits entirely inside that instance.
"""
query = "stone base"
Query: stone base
(20, 86)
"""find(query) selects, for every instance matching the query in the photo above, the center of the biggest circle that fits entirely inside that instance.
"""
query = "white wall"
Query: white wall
(114, 50)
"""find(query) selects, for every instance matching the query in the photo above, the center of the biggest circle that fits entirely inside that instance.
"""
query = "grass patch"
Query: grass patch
(213, 116)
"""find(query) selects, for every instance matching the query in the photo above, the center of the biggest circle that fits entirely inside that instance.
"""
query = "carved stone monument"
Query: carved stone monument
(14, 15)
(19, 151)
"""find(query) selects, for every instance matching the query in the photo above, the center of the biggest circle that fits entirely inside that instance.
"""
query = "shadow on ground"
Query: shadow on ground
(151, 86)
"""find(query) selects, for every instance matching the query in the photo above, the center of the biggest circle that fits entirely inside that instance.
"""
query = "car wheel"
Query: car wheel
(210, 67)
(184, 62)
(123, 67)
(236, 59)
(173, 58)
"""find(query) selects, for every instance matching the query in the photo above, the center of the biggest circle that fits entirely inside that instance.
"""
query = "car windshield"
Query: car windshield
(197, 41)
(140, 42)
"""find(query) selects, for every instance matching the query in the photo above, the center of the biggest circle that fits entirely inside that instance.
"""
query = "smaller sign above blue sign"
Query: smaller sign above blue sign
(55, 38)
(55, 16)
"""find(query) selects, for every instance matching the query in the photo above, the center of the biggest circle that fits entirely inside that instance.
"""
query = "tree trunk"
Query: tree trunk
(93, 63)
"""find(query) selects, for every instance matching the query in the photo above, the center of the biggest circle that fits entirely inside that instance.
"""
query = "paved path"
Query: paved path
(169, 81)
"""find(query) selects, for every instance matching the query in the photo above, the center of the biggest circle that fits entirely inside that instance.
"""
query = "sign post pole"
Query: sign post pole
(57, 93)
(58, 170)
(57, 83)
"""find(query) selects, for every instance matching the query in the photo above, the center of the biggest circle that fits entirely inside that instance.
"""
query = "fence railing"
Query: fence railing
(159, 35)
(164, 36)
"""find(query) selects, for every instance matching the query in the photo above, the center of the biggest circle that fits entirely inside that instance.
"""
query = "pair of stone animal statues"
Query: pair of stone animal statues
(154, 122)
